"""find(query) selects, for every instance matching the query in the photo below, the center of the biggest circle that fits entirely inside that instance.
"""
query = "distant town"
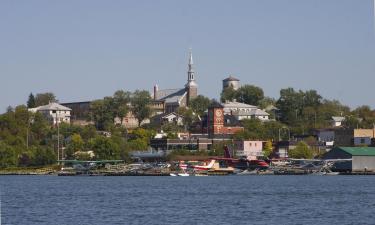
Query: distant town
(178, 131)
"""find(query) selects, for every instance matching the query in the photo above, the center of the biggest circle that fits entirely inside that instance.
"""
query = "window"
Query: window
(53, 111)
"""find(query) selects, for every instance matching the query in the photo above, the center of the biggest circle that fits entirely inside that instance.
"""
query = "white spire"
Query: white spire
(191, 57)
(190, 67)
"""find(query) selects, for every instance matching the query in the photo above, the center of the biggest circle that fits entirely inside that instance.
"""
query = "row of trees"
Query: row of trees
(28, 139)
(104, 111)
(302, 111)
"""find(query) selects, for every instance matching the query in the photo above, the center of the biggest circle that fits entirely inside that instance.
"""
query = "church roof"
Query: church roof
(171, 95)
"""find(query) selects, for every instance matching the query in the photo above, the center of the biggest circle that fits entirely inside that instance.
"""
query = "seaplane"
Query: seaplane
(242, 163)
(226, 164)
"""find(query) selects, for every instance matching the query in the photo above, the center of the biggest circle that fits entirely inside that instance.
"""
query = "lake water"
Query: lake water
(282, 200)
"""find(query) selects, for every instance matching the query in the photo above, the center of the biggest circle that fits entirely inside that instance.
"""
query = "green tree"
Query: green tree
(121, 102)
(43, 155)
(199, 104)
(266, 102)
(8, 156)
(141, 105)
(76, 144)
(301, 151)
(102, 114)
(88, 132)
(44, 98)
(267, 149)
(104, 148)
(250, 94)
(228, 94)
(253, 130)
(189, 117)
(290, 105)
(31, 101)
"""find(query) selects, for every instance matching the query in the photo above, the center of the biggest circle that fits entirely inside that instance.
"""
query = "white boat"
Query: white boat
(179, 174)
(183, 174)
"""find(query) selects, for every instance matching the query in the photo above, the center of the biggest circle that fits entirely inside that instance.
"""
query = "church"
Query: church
(169, 100)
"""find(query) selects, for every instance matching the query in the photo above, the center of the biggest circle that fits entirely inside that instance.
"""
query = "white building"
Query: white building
(166, 118)
(337, 121)
(244, 111)
(54, 112)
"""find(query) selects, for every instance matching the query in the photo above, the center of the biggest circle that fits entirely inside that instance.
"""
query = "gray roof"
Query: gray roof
(338, 118)
(171, 95)
(230, 78)
(237, 105)
(253, 112)
(53, 106)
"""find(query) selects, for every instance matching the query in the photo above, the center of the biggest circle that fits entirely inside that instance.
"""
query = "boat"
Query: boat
(179, 174)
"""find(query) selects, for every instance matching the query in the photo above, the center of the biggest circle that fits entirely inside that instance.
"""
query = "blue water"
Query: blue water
(50, 200)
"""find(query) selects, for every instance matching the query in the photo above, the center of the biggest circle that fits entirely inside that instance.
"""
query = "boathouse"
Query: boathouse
(362, 158)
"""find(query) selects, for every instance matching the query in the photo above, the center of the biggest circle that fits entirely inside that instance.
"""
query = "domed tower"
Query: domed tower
(191, 86)
(231, 82)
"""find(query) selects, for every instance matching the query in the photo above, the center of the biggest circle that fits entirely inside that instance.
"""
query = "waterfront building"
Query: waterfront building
(252, 150)
(172, 99)
(54, 113)
(360, 159)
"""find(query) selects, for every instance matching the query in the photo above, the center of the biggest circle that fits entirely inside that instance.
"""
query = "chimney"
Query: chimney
(156, 89)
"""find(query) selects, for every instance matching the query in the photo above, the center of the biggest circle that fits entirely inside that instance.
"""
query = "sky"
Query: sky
(86, 49)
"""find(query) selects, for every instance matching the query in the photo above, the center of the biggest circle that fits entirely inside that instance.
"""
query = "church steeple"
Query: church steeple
(191, 86)
(191, 69)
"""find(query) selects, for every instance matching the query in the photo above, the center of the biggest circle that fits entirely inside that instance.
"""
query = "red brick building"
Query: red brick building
(220, 124)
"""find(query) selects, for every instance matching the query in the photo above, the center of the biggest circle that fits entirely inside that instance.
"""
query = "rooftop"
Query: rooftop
(53, 106)
(237, 105)
(230, 78)
(171, 95)
(359, 151)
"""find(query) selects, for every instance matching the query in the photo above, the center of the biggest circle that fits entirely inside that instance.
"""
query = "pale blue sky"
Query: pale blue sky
(84, 50)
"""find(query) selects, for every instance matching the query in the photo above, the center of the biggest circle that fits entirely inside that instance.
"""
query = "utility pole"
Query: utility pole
(58, 140)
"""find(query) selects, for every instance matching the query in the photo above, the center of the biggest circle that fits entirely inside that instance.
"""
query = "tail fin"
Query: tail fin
(227, 152)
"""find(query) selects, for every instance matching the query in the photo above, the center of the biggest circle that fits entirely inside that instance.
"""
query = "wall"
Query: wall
(251, 149)
(359, 163)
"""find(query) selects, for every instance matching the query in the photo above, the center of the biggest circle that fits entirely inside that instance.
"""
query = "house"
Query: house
(325, 137)
(130, 121)
(244, 111)
(54, 113)
(252, 150)
(166, 118)
(336, 121)
(354, 137)
(356, 159)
